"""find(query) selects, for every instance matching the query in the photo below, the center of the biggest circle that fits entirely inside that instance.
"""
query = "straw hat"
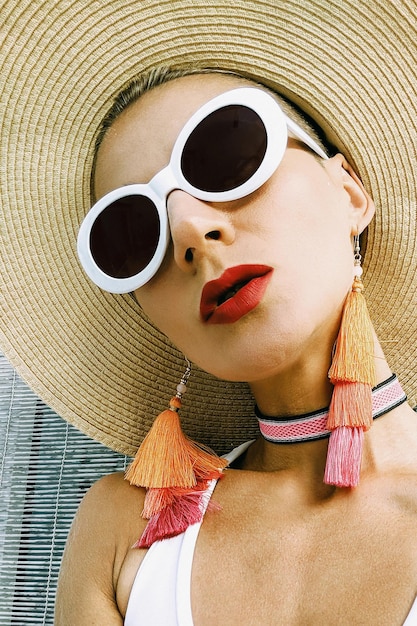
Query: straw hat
(92, 356)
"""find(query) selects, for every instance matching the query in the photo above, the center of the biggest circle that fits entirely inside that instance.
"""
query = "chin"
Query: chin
(246, 365)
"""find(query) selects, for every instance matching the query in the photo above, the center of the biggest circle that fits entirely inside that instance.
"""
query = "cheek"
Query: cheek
(315, 214)
(167, 308)
(153, 301)
(310, 229)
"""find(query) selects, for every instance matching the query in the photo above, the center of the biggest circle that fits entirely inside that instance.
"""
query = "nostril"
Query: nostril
(213, 234)
(189, 255)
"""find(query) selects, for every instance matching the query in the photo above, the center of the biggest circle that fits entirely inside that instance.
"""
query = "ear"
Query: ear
(361, 203)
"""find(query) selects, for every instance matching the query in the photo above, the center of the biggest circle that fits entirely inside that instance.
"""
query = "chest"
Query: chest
(354, 563)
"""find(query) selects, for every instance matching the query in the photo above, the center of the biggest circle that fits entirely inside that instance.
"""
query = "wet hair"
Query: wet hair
(142, 83)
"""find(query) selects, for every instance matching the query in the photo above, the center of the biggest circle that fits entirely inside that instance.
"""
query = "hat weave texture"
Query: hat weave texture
(93, 356)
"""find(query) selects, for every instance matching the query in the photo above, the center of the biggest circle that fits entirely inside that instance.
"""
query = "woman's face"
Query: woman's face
(297, 226)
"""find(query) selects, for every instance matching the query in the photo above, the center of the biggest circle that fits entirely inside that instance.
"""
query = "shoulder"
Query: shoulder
(110, 516)
(112, 507)
(106, 525)
(111, 489)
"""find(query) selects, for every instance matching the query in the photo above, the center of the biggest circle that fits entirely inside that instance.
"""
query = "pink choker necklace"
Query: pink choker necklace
(311, 426)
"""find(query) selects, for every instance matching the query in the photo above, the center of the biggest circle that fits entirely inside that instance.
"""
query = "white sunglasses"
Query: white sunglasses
(227, 149)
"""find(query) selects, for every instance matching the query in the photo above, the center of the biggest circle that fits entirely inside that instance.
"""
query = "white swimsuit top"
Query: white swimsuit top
(160, 594)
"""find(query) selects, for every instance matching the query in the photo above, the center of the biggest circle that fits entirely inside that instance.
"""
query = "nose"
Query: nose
(197, 228)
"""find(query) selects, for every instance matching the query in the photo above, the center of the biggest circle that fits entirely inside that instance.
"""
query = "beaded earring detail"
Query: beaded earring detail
(352, 373)
(175, 471)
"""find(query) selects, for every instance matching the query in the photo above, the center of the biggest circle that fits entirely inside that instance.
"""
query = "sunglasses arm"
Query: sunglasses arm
(295, 131)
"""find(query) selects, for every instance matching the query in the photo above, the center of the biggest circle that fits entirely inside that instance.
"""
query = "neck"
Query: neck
(308, 459)
(305, 387)
(390, 446)
(312, 426)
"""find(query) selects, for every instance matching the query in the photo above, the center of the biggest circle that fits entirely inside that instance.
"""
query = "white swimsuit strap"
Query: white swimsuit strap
(161, 592)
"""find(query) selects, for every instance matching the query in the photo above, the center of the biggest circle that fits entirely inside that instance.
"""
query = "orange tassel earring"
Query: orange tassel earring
(352, 373)
(175, 470)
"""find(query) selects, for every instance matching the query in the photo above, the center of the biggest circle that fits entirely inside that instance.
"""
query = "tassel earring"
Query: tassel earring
(176, 472)
(352, 373)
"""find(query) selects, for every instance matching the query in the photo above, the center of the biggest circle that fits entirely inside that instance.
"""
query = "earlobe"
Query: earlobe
(363, 207)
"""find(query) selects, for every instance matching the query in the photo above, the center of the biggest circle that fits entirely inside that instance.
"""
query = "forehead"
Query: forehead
(139, 142)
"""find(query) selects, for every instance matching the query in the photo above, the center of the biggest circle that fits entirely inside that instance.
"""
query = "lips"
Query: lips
(238, 290)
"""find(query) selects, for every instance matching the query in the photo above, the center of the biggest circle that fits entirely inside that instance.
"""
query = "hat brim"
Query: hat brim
(93, 356)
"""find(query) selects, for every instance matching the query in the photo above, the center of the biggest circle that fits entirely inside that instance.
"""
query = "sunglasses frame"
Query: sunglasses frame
(278, 127)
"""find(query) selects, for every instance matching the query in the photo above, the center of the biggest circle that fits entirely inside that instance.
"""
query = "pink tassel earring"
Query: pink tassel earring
(352, 373)
(175, 471)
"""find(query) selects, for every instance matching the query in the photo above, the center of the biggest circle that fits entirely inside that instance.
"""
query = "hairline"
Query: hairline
(146, 81)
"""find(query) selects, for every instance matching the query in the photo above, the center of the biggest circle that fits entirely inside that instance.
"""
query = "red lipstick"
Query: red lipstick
(238, 291)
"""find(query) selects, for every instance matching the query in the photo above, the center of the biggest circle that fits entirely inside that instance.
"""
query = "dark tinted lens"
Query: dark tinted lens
(125, 235)
(225, 149)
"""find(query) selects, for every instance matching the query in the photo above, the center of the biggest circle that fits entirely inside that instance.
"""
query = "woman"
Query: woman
(308, 204)
(334, 551)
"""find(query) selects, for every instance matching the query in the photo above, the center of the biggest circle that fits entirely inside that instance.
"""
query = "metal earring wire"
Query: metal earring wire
(357, 257)
(182, 386)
